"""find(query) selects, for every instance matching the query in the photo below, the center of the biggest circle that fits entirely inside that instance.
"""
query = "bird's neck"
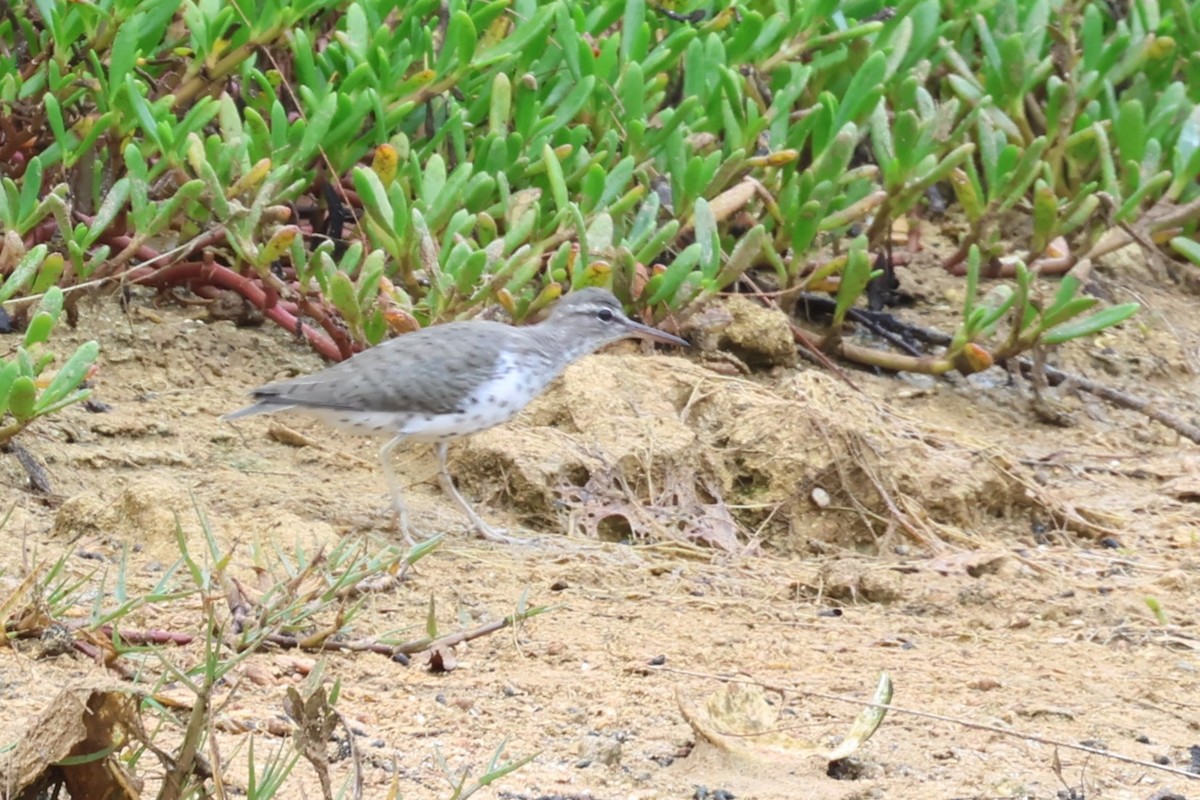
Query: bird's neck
(558, 345)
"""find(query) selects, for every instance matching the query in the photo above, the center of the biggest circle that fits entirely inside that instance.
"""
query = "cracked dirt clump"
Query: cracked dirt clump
(753, 334)
(578, 455)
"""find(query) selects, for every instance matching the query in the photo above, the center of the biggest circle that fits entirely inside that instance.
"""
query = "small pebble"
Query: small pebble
(258, 674)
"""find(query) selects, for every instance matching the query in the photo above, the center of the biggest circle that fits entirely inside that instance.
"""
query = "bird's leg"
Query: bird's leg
(485, 531)
(401, 511)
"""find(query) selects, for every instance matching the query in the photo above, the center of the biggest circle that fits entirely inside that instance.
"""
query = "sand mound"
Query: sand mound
(646, 448)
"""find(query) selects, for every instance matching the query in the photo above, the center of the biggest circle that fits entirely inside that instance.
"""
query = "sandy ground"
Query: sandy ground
(1011, 600)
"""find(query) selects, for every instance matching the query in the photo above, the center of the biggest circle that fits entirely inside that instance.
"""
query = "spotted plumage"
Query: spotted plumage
(452, 380)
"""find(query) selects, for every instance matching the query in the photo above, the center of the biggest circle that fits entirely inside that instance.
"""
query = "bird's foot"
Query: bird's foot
(500, 535)
(484, 530)
(411, 535)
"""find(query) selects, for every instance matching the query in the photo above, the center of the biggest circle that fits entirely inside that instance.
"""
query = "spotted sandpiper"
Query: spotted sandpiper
(448, 381)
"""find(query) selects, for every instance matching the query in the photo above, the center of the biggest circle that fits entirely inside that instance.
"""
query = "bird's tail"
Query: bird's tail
(256, 408)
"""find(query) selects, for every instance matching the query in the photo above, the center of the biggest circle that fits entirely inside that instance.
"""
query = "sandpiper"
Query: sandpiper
(448, 381)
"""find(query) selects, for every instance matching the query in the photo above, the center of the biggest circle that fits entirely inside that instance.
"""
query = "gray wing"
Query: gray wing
(428, 371)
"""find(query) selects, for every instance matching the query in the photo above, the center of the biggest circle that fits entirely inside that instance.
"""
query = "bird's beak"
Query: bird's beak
(654, 334)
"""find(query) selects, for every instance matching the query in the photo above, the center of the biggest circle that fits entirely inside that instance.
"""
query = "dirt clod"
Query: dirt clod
(755, 335)
(80, 723)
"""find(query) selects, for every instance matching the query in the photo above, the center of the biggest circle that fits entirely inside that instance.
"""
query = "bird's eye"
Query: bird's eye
(605, 315)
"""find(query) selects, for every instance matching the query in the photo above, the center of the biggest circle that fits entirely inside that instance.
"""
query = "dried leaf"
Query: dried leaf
(738, 718)
(442, 659)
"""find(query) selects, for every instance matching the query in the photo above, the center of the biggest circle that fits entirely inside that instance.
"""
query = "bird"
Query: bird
(448, 381)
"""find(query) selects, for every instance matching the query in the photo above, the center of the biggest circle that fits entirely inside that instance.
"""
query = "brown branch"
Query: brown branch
(935, 366)
(1114, 238)
(1117, 397)
(150, 636)
(39, 479)
(289, 642)
(427, 643)
(323, 641)
(394, 652)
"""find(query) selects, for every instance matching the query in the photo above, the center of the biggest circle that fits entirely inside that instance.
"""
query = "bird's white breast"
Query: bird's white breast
(494, 401)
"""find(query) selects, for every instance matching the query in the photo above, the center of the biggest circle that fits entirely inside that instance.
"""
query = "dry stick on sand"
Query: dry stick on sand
(290, 642)
(1117, 397)
(414, 647)
(1150, 408)
(979, 726)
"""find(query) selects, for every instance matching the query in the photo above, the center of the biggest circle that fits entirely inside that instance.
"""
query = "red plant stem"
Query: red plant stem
(149, 636)
(41, 233)
(349, 193)
(97, 655)
(1044, 266)
(145, 252)
(336, 332)
(210, 292)
(334, 344)
(15, 141)
(212, 274)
